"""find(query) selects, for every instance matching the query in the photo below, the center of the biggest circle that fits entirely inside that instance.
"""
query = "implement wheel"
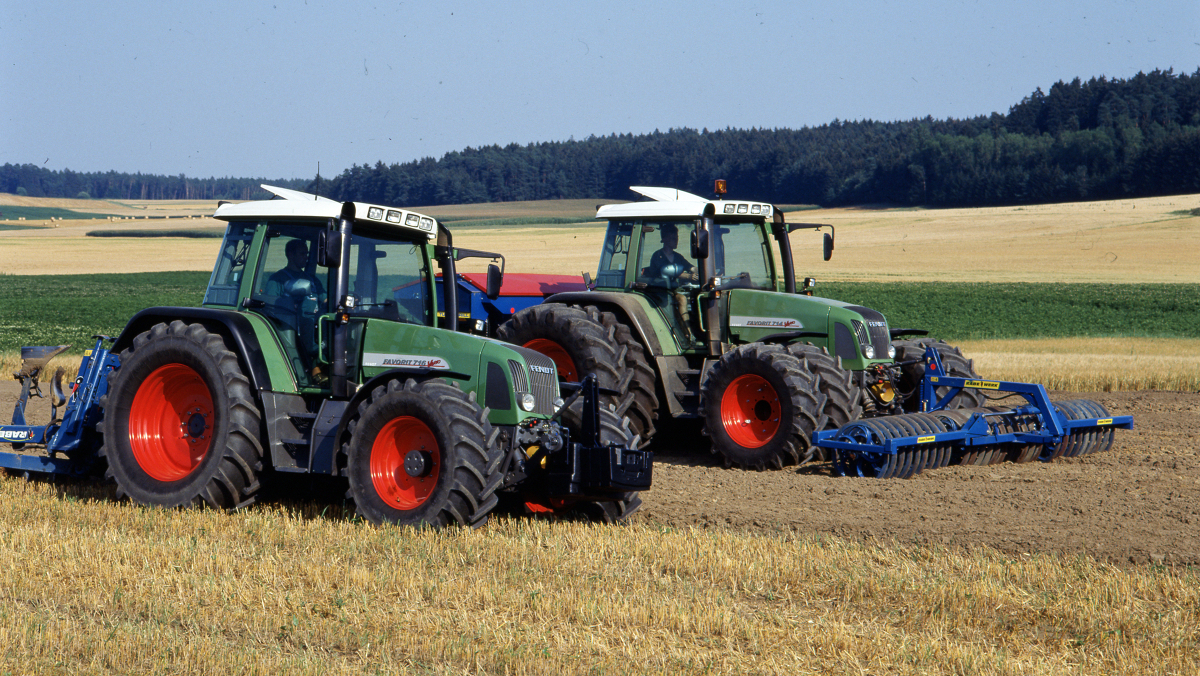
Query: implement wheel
(955, 363)
(422, 454)
(761, 406)
(180, 421)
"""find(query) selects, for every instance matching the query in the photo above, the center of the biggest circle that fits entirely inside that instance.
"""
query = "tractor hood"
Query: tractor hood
(846, 330)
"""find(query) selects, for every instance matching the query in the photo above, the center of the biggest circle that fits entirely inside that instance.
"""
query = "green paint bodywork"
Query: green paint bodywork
(810, 313)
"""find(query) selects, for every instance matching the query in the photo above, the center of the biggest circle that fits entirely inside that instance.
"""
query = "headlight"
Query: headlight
(528, 401)
(869, 351)
(891, 351)
(558, 404)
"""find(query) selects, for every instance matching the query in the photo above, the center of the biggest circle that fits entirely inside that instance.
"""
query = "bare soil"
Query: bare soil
(1137, 503)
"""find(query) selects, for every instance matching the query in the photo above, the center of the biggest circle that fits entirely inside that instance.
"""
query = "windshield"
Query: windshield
(743, 253)
(390, 279)
(231, 265)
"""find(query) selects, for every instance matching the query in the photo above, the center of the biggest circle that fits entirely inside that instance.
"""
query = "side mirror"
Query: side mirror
(329, 249)
(494, 280)
(828, 246)
(699, 244)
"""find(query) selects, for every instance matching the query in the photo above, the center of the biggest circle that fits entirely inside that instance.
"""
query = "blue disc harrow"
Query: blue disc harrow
(902, 446)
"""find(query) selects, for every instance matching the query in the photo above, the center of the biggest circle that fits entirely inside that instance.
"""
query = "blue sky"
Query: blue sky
(269, 89)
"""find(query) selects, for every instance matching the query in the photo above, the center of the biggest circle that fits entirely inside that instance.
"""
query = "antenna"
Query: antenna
(317, 186)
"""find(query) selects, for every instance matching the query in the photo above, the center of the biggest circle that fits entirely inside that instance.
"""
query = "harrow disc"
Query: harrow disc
(902, 465)
(1080, 442)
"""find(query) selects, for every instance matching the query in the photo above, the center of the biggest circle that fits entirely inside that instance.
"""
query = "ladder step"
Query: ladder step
(294, 442)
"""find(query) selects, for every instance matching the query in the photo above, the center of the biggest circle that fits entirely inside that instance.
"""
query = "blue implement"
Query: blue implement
(904, 445)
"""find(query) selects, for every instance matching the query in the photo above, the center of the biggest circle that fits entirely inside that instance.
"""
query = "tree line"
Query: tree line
(35, 181)
(1100, 139)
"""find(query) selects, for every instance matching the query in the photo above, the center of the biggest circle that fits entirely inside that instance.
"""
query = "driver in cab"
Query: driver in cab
(299, 298)
(668, 263)
(670, 266)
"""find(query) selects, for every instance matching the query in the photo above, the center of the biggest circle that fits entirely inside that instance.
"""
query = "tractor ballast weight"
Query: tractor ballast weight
(371, 381)
(904, 445)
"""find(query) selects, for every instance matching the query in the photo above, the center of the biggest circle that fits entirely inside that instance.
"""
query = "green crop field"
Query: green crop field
(69, 309)
(12, 213)
(976, 311)
(214, 233)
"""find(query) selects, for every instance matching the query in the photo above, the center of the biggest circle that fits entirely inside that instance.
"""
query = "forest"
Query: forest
(1099, 139)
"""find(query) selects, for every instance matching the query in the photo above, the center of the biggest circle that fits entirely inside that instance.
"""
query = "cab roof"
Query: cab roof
(295, 204)
(669, 202)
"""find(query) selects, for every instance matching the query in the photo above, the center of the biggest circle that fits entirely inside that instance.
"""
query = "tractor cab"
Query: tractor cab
(289, 262)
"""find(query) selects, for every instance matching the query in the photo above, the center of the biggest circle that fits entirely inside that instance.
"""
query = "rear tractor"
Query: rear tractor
(717, 330)
(319, 350)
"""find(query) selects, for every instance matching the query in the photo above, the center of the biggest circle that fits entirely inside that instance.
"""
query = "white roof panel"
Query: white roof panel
(296, 204)
(669, 202)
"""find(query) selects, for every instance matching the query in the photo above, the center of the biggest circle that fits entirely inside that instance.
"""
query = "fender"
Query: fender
(233, 326)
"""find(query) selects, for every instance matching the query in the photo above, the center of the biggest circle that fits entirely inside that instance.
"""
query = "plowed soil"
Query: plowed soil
(1137, 503)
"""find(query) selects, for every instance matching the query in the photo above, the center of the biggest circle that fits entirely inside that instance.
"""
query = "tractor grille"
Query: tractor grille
(520, 381)
(539, 381)
(874, 332)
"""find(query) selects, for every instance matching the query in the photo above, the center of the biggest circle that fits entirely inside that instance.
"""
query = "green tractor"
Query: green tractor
(718, 331)
(318, 351)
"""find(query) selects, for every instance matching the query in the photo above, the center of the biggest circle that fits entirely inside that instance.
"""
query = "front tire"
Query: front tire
(761, 407)
(422, 454)
(180, 422)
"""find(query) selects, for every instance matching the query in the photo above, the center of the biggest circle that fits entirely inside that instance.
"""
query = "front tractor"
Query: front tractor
(319, 349)
(694, 313)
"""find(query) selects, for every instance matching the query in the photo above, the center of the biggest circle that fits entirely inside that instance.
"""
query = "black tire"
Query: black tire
(422, 454)
(637, 377)
(182, 367)
(613, 430)
(952, 359)
(580, 344)
(843, 404)
(773, 427)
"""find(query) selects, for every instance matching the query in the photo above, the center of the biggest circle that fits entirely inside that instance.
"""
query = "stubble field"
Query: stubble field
(1082, 566)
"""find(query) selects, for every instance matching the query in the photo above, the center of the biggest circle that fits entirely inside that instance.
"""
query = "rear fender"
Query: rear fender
(633, 311)
(238, 331)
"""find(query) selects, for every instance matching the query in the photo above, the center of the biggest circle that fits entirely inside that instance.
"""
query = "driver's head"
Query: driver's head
(669, 233)
(297, 253)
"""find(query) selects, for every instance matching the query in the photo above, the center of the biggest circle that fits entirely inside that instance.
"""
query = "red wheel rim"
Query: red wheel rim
(171, 422)
(750, 411)
(562, 360)
(396, 487)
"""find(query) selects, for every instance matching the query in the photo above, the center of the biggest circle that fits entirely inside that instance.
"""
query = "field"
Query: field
(1083, 566)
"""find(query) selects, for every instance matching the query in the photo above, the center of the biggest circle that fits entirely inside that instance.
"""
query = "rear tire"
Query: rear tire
(422, 454)
(761, 407)
(586, 341)
(955, 363)
(843, 403)
(637, 377)
(180, 423)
